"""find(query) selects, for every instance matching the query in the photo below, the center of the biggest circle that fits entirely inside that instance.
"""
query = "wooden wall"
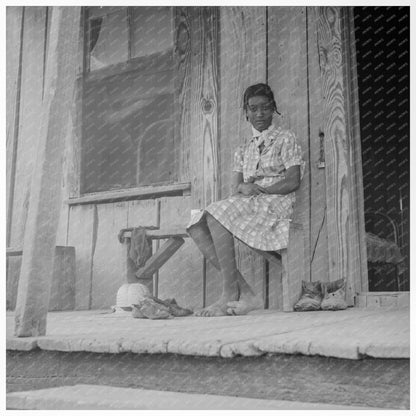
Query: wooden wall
(219, 53)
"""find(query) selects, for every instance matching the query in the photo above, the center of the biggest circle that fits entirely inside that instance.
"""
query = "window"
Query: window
(128, 98)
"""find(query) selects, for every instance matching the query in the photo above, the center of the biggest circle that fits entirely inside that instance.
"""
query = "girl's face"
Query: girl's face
(260, 112)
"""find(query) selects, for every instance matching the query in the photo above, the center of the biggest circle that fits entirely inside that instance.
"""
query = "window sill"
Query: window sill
(144, 192)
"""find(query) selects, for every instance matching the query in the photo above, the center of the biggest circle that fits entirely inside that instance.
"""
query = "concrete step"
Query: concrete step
(94, 397)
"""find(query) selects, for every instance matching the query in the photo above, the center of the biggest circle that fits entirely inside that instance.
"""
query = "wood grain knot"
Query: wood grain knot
(207, 106)
(331, 15)
(182, 38)
(336, 57)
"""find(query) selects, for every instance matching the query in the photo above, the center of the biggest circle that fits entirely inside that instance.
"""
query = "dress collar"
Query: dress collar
(257, 133)
(266, 136)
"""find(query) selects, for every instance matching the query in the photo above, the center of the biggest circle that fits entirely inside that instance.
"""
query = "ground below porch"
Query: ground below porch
(41, 379)
(354, 333)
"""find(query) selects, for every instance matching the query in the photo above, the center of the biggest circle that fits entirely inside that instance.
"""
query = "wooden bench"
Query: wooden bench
(292, 259)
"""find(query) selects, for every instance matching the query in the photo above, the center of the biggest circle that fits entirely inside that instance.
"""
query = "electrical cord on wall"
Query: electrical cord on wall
(317, 238)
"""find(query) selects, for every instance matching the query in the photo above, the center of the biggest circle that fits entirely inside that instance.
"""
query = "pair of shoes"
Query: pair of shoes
(318, 295)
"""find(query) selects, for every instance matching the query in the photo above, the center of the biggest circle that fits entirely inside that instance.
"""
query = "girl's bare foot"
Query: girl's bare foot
(218, 308)
(244, 305)
(248, 300)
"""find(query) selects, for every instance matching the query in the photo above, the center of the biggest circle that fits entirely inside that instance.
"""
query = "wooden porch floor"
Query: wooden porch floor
(354, 333)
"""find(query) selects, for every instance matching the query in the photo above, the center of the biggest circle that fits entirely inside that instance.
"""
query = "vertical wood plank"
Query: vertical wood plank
(43, 215)
(196, 87)
(318, 226)
(82, 235)
(183, 92)
(63, 281)
(293, 272)
(73, 146)
(14, 31)
(357, 245)
(337, 146)
(13, 264)
(275, 286)
(288, 78)
(62, 233)
(181, 276)
(72, 151)
(30, 113)
(203, 105)
(142, 213)
(242, 63)
(252, 267)
(108, 255)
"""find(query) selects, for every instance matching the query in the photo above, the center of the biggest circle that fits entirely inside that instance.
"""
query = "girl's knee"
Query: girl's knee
(210, 219)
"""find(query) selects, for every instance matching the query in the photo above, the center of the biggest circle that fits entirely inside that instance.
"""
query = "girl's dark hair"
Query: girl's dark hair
(256, 90)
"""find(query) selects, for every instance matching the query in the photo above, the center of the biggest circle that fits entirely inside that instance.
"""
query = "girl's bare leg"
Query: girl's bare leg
(201, 235)
(223, 242)
(247, 299)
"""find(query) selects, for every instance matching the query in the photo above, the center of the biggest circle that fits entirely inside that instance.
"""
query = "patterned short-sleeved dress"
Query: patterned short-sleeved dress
(261, 221)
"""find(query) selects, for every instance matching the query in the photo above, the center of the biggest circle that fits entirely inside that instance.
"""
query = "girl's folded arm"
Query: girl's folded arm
(289, 184)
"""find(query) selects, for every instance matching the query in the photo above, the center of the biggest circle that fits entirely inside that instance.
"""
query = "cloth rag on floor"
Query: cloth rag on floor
(140, 248)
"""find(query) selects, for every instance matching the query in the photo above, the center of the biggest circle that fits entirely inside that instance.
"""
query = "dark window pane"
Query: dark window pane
(128, 134)
(108, 39)
(128, 131)
(152, 30)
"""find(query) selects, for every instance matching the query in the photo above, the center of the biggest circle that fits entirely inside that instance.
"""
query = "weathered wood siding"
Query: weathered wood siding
(198, 100)
(219, 52)
(318, 223)
(357, 249)
(342, 236)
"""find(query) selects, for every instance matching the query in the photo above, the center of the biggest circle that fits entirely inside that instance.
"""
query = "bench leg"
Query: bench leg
(293, 268)
(162, 255)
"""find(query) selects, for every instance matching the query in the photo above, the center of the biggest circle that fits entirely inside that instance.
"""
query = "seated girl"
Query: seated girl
(267, 171)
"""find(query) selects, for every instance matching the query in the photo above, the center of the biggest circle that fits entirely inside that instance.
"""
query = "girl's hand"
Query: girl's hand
(251, 179)
(249, 189)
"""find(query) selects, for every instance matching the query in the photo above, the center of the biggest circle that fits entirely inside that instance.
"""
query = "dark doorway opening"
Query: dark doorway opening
(382, 44)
